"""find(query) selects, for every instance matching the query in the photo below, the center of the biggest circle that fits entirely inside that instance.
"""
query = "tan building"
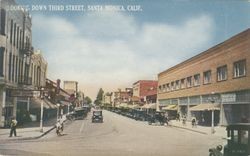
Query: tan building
(70, 86)
(218, 76)
(15, 51)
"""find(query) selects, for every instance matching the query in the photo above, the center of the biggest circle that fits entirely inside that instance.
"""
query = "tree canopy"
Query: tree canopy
(99, 97)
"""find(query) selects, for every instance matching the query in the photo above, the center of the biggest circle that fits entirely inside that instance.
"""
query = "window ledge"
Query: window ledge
(239, 76)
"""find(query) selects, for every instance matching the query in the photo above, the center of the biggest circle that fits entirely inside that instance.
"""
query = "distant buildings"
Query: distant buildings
(145, 91)
(70, 86)
(217, 79)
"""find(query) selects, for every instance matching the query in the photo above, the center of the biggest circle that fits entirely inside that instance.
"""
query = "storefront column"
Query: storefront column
(2, 106)
(188, 112)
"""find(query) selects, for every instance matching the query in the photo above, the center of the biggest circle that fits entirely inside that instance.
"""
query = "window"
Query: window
(222, 73)
(11, 31)
(168, 87)
(240, 68)
(172, 86)
(189, 81)
(1, 60)
(164, 88)
(10, 59)
(159, 89)
(197, 80)
(207, 77)
(182, 83)
(14, 39)
(2, 19)
(17, 39)
(177, 84)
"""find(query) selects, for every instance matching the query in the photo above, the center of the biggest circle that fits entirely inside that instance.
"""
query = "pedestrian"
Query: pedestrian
(184, 119)
(166, 118)
(193, 121)
(178, 116)
(13, 125)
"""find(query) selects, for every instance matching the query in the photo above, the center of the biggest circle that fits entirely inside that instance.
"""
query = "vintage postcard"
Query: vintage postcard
(125, 77)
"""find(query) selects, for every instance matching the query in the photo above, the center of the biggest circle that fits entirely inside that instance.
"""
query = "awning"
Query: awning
(51, 105)
(205, 107)
(64, 103)
(171, 107)
(149, 106)
(36, 103)
(134, 106)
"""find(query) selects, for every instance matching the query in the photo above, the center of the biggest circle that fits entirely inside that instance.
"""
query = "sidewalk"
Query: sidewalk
(219, 130)
(24, 133)
(29, 131)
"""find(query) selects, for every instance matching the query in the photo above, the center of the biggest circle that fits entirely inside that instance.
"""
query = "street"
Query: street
(118, 135)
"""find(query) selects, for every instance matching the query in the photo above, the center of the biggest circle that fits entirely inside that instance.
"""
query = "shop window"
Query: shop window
(189, 81)
(197, 80)
(207, 77)
(222, 73)
(240, 68)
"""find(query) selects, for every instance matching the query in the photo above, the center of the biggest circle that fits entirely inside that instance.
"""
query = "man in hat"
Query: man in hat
(13, 125)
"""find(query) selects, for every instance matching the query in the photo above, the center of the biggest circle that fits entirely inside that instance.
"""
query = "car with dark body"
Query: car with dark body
(79, 113)
(97, 116)
(238, 142)
(157, 117)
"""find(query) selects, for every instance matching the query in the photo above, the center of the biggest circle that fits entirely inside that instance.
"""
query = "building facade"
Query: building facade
(220, 75)
(145, 91)
(20, 67)
(70, 86)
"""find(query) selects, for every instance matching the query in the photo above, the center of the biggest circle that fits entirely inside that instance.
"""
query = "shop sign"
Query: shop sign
(228, 97)
(25, 93)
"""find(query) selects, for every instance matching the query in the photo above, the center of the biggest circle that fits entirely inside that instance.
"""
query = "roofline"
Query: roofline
(210, 50)
(144, 81)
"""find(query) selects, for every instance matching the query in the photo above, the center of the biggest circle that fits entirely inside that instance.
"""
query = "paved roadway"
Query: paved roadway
(118, 135)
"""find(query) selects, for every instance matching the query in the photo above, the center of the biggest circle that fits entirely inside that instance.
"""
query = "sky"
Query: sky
(112, 49)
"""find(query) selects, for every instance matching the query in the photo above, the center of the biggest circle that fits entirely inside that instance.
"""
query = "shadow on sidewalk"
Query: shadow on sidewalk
(46, 123)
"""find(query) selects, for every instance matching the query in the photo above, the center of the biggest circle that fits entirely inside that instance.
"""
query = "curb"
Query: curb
(31, 138)
(193, 130)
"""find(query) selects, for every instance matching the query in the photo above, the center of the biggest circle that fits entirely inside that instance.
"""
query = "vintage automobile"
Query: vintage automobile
(238, 143)
(157, 117)
(78, 113)
(97, 116)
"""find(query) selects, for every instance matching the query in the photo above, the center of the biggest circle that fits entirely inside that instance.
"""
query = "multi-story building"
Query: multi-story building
(20, 67)
(122, 96)
(70, 86)
(15, 51)
(216, 79)
(145, 91)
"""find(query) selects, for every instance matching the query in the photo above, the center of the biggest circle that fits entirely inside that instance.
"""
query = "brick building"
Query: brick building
(145, 91)
(218, 78)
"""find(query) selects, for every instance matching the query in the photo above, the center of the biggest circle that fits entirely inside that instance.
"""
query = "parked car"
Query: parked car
(80, 113)
(238, 143)
(157, 117)
(97, 116)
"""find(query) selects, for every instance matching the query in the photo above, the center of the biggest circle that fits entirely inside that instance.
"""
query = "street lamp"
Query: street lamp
(41, 118)
(212, 100)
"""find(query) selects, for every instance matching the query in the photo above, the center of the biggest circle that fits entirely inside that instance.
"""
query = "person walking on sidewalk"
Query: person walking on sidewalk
(193, 121)
(13, 125)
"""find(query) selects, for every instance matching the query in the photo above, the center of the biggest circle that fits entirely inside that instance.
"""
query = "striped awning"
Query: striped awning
(205, 107)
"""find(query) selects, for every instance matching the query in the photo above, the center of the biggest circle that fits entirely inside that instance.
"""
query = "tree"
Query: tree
(88, 100)
(99, 97)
